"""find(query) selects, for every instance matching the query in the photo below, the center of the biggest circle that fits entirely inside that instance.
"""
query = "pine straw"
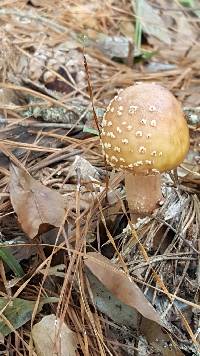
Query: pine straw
(166, 272)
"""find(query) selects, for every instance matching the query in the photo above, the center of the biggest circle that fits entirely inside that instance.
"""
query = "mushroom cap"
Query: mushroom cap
(144, 130)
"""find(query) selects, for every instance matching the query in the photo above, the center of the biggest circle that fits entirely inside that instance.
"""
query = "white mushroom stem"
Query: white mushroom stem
(143, 193)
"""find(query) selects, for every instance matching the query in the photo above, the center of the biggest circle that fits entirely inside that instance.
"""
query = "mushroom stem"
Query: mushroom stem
(143, 194)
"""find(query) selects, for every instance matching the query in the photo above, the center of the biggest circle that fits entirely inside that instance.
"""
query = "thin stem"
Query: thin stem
(143, 193)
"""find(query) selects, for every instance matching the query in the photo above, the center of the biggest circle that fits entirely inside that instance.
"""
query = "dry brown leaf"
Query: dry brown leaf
(159, 338)
(52, 337)
(129, 294)
(120, 285)
(34, 204)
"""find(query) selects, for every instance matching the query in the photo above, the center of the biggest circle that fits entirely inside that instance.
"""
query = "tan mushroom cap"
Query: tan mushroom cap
(144, 130)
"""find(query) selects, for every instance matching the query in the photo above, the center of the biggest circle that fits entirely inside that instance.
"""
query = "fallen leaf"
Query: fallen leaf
(34, 204)
(50, 337)
(120, 298)
(113, 46)
(160, 340)
(11, 261)
(152, 23)
(18, 312)
(84, 167)
(106, 302)
(120, 285)
(15, 247)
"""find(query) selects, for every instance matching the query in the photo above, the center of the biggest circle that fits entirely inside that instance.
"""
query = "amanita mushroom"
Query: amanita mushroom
(144, 133)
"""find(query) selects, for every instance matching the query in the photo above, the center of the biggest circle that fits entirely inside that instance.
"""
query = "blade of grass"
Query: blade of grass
(138, 27)
(11, 261)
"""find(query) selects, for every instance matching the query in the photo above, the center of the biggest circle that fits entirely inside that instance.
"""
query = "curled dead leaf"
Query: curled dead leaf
(34, 204)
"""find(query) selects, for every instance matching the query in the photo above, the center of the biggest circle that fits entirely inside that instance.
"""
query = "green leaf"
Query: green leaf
(18, 312)
(144, 56)
(187, 3)
(11, 261)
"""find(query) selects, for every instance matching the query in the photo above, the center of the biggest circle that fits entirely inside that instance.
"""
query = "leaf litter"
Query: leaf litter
(34, 203)
(50, 334)
(60, 204)
(129, 293)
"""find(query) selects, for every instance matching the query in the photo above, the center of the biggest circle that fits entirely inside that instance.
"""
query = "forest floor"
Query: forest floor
(76, 277)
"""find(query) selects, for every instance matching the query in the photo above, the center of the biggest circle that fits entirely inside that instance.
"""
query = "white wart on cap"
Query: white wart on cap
(144, 130)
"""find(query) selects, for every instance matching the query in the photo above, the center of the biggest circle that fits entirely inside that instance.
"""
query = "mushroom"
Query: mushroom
(144, 133)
